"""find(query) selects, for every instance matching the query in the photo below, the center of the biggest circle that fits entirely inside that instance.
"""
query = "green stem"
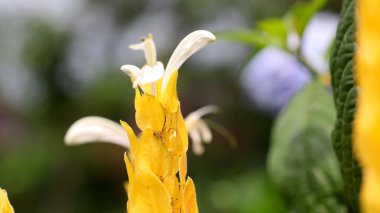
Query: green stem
(309, 67)
(296, 53)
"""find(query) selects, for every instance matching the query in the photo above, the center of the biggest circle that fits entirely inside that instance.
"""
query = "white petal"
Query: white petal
(96, 129)
(131, 70)
(205, 131)
(186, 48)
(152, 74)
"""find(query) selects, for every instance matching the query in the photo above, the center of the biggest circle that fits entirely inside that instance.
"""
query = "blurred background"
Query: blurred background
(60, 61)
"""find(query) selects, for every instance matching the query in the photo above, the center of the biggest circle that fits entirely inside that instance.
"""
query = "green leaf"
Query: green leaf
(253, 38)
(275, 27)
(274, 31)
(301, 13)
(301, 161)
(342, 70)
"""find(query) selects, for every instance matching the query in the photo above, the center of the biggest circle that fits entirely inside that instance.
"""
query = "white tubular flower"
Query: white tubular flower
(149, 73)
(96, 129)
(198, 129)
(154, 70)
(191, 44)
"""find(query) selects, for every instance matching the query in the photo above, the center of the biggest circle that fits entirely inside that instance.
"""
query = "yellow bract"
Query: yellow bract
(190, 199)
(149, 195)
(149, 112)
(367, 124)
(132, 138)
(152, 155)
(5, 205)
(169, 98)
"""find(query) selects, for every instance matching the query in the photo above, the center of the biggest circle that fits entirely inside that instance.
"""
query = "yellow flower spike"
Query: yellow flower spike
(149, 195)
(152, 155)
(190, 197)
(5, 205)
(367, 123)
(157, 162)
(149, 113)
(162, 146)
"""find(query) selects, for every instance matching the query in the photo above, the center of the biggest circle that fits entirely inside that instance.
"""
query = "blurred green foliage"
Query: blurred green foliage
(300, 14)
(301, 160)
(276, 31)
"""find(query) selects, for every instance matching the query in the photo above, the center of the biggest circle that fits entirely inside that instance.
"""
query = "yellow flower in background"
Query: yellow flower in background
(156, 162)
(367, 124)
(5, 205)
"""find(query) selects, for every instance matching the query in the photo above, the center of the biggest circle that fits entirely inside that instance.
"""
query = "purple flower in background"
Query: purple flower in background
(273, 76)
(317, 40)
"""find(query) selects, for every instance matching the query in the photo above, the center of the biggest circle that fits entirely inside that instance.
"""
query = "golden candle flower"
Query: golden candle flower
(5, 205)
(367, 124)
(156, 162)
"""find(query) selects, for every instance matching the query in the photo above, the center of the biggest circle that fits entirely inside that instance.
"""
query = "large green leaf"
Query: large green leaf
(301, 160)
(342, 69)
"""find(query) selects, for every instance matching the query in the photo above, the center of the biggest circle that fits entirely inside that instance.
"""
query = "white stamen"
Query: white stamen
(149, 49)
(205, 131)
